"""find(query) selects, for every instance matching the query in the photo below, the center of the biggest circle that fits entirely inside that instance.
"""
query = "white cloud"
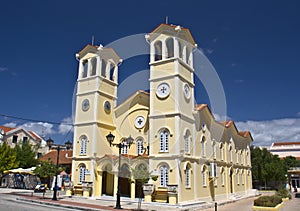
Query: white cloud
(11, 124)
(40, 128)
(65, 126)
(238, 81)
(266, 132)
(2, 69)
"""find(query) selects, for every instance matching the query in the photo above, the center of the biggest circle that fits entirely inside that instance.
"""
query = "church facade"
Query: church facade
(193, 156)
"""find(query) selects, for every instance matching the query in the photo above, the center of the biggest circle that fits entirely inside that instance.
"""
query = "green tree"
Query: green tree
(45, 170)
(8, 158)
(266, 167)
(26, 155)
(142, 175)
(289, 162)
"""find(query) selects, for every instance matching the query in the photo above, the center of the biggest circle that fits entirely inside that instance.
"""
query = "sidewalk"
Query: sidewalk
(108, 203)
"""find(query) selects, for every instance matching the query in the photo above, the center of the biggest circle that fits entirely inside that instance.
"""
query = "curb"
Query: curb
(59, 205)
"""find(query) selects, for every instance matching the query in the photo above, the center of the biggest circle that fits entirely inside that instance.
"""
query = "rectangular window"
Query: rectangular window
(15, 139)
(223, 178)
(25, 139)
(140, 147)
(124, 149)
(221, 153)
(204, 178)
(164, 177)
(83, 146)
(187, 177)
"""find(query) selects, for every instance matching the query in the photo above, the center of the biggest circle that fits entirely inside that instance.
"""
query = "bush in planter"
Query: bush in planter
(268, 201)
(283, 193)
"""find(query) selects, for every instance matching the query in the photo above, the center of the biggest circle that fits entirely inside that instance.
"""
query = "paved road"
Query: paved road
(9, 203)
(246, 205)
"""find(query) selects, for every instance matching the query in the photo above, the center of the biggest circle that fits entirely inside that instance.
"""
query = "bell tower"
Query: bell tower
(171, 98)
(96, 97)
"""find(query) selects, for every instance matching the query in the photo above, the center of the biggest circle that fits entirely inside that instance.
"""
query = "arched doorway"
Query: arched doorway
(107, 181)
(141, 172)
(125, 181)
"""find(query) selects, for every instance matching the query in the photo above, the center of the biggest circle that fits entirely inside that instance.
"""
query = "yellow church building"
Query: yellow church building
(174, 139)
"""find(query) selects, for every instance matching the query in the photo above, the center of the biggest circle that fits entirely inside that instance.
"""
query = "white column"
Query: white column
(115, 75)
(176, 47)
(184, 54)
(152, 52)
(98, 69)
(89, 70)
(164, 51)
(132, 189)
(115, 184)
(107, 74)
(80, 69)
(191, 57)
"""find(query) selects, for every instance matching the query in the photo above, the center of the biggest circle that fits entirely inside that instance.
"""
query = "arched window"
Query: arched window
(188, 176)
(213, 149)
(203, 146)
(111, 72)
(237, 177)
(222, 174)
(188, 52)
(85, 68)
(82, 172)
(140, 146)
(164, 176)
(204, 176)
(242, 177)
(187, 140)
(180, 49)
(83, 145)
(103, 68)
(230, 153)
(170, 47)
(94, 66)
(164, 140)
(221, 151)
(158, 50)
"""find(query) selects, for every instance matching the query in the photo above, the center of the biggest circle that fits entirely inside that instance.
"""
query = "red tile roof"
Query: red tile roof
(6, 129)
(285, 143)
(199, 107)
(227, 123)
(65, 156)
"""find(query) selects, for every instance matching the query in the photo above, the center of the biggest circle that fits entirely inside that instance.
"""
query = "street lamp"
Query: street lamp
(68, 144)
(123, 142)
(49, 144)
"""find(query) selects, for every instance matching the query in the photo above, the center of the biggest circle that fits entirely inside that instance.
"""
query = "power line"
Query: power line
(34, 120)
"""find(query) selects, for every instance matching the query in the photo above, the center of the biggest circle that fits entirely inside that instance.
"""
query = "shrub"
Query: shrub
(268, 201)
(283, 193)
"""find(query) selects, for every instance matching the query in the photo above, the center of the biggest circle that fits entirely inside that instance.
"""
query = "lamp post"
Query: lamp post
(50, 143)
(123, 142)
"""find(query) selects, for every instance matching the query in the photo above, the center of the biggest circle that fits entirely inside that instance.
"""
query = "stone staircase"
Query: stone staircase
(236, 196)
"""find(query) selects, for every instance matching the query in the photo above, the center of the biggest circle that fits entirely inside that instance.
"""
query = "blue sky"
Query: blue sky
(253, 46)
